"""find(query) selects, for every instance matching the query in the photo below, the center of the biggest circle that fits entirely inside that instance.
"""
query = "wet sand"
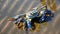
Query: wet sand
(10, 8)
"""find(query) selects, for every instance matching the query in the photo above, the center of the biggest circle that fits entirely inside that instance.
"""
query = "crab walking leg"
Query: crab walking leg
(48, 3)
(18, 21)
(37, 25)
(44, 24)
(29, 24)
(43, 2)
(53, 6)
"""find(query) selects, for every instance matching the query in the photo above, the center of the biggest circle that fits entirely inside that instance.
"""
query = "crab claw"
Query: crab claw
(11, 19)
